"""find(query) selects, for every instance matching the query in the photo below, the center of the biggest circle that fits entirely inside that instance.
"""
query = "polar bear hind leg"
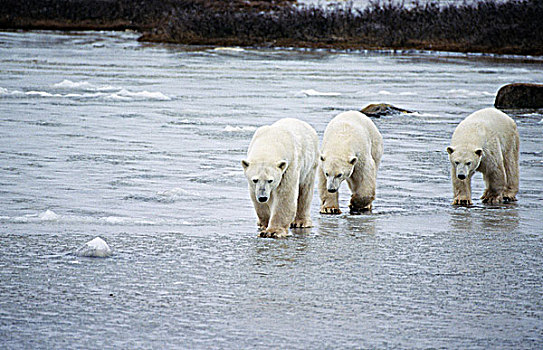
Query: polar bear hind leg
(511, 164)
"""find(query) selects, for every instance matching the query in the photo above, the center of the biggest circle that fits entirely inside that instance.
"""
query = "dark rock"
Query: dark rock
(376, 110)
(520, 95)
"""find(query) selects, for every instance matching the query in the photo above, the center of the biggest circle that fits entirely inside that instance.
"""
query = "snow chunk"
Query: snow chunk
(230, 128)
(49, 215)
(312, 92)
(97, 248)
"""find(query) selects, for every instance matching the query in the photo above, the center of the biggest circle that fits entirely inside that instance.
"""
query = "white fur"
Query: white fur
(280, 168)
(486, 141)
(351, 150)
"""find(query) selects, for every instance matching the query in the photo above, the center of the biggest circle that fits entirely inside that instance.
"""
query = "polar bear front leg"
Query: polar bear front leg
(495, 180)
(329, 201)
(283, 211)
(303, 216)
(461, 189)
(362, 184)
(262, 212)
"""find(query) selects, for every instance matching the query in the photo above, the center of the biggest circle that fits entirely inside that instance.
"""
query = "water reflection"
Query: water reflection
(269, 253)
(350, 225)
(485, 219)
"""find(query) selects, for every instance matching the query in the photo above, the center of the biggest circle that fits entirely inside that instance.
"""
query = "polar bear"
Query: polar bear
(351, 150)
(486, 141)
(280, 168)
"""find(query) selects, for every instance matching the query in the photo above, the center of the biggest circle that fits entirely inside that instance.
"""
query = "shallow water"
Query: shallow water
(141, 145)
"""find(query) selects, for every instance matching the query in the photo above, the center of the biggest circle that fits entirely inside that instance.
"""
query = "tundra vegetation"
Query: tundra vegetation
(505, 27)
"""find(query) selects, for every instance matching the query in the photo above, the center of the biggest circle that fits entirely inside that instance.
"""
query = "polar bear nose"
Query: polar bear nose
(262, 199)
(332, 190)
(461, 176)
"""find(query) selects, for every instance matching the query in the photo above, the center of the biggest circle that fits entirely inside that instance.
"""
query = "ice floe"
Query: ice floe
(469, 93)
(84, 86)
(230, 128)
(84, 90)
(48, 215)
(312, 92)
(96, 248)
(231, 49)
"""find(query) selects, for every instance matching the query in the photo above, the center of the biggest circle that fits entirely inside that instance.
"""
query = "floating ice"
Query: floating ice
(115, 220)
(41, 93)
(230, 128)
(418, 114)
(4, 91)
(233, 49)
(312, 92)
(384, 92)
(84, 90)
(84, 85)
(469, 93)
(124, 94)
(97, 248)
(49, 215)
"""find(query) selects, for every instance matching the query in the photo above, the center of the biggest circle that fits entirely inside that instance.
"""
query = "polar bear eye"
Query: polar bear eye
(339, 175)
(326, 174)
(255, 180)
(468, 163)
(456, 163)
(270, 181)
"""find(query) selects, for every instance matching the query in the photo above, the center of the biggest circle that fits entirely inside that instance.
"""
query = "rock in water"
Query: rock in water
(520, 95)
(97, 248)
(376, 110)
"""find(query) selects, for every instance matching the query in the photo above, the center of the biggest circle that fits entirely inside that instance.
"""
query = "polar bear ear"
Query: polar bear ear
(450, 150)
(353, 160)
(245, 164)
(479, 152)
(282, 165)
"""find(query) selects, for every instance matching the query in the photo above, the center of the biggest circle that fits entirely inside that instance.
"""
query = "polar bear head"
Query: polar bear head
(337, 169)
(465, 160)
(264, 177)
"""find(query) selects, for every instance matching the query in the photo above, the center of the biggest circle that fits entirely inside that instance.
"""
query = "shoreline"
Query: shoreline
(488, 27)
(340, 48)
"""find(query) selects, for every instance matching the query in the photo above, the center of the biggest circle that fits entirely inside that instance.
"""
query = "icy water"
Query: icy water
(141, 145)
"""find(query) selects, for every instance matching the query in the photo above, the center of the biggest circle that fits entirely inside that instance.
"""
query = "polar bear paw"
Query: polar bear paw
(330, 210)
(462, 201)
(274, 232)
(354, 210)
(301, 223)
(492, 198)
(509, 197)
